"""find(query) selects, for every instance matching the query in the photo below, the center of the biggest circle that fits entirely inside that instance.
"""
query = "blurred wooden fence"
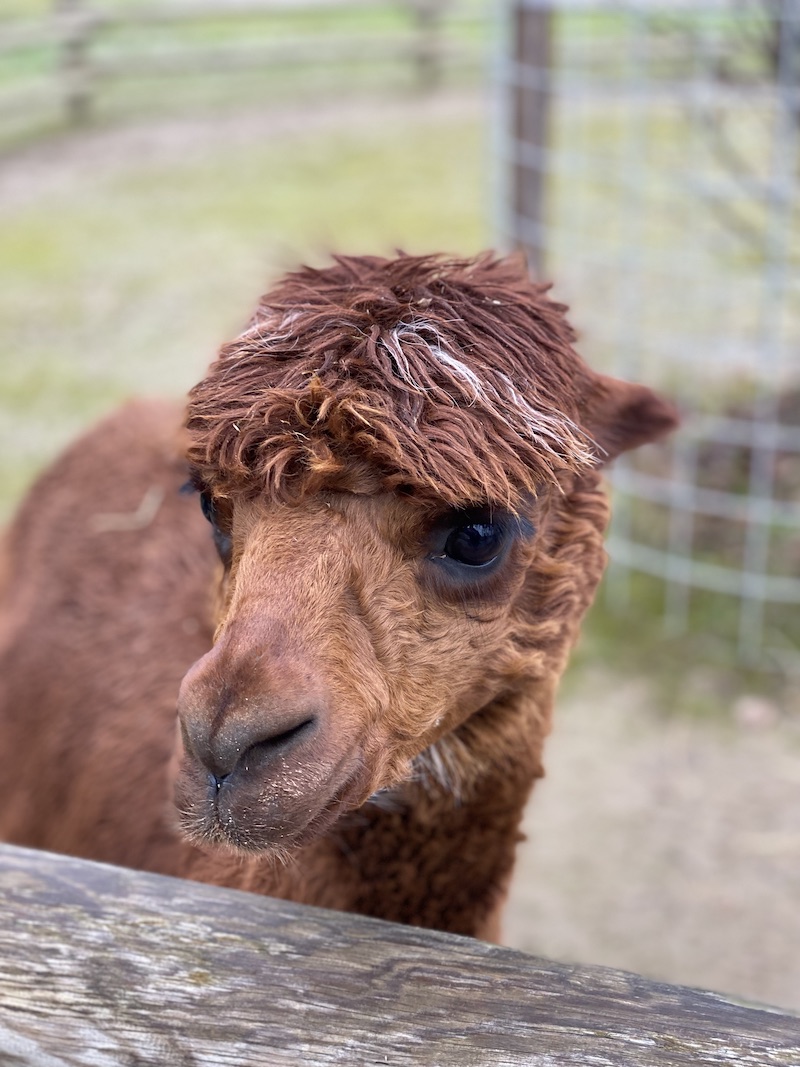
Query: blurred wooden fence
(424, 35)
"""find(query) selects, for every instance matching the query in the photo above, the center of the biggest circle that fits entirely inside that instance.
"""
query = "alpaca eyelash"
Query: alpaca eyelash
(512, 524)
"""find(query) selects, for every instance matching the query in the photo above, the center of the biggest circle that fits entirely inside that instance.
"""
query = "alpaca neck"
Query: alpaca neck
(438, 851)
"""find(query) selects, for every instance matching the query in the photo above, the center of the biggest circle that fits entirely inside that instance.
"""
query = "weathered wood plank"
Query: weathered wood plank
(103, 966)
(186, 59)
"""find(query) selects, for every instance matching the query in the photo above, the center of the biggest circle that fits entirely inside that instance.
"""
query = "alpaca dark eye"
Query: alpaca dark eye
(208, 508)
(222, 540)
(475, 544)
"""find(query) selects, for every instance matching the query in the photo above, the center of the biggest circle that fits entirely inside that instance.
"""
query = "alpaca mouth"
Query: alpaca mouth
(265, 817)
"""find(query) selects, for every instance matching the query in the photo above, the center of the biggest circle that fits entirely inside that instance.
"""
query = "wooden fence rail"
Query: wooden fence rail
(104, 966)
(76, 27)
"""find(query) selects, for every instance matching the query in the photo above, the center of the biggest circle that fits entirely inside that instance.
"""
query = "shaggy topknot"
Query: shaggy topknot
(453, 377)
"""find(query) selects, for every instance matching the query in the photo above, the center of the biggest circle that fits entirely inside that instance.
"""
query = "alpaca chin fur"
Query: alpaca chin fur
(376, 710)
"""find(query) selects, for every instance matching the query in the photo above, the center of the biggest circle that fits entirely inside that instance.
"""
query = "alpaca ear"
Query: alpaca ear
(620, 415)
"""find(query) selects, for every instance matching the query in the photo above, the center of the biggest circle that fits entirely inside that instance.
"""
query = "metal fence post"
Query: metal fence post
(531, 98)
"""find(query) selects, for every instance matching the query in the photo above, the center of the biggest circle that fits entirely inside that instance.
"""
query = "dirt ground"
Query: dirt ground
(668, 847)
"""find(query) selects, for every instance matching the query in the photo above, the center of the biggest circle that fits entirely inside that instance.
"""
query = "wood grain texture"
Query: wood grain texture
(103, 966)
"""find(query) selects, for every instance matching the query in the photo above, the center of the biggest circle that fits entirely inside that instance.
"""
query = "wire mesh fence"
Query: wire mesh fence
(650, 165)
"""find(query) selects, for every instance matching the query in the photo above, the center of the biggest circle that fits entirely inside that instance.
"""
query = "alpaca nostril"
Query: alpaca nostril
(262, 751)
(243, 749)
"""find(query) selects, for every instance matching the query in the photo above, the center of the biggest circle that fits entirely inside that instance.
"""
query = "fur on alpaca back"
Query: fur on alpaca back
(112, 589)
(108, 600)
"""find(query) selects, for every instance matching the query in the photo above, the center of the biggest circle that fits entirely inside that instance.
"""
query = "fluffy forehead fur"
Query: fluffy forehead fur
(453, 377)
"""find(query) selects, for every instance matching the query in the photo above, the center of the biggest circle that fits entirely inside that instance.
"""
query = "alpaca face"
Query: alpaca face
(356, 631)
(399, 460)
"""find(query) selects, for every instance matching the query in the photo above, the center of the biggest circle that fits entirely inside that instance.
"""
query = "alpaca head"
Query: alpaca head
(399, 462)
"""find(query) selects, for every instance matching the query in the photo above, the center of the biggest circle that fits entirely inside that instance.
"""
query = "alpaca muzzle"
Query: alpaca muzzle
(261, 764)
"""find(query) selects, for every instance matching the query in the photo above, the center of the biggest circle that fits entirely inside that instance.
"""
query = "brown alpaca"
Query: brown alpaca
(400, 461)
